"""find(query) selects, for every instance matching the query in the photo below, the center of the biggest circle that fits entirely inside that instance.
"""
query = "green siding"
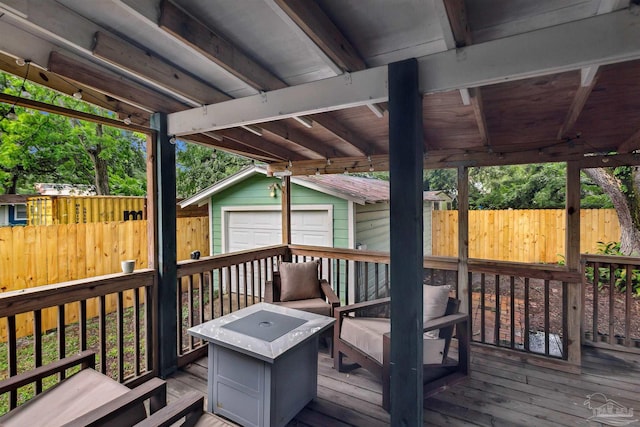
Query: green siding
(254, 191)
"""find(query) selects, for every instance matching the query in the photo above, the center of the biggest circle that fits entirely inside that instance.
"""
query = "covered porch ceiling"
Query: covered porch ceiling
(302, 85)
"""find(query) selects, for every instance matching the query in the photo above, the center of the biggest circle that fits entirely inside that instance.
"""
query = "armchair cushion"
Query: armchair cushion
(365, 334)
(313, 305)
(434, 300)
(299, 281)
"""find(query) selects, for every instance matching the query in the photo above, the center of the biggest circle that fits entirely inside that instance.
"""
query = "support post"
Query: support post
(572, 259)
(167, 320)
(463, 239)
(152, 250)
(405, 166)
(286, 210)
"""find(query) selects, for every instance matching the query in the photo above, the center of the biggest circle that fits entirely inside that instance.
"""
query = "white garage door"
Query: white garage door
(253, 229)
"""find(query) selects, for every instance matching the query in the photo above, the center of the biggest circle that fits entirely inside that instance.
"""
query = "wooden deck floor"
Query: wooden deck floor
(500, 393)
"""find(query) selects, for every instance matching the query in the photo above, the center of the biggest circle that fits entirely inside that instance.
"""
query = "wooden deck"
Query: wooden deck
(500, 392)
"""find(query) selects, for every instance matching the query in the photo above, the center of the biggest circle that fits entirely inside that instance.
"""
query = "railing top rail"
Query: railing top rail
(40, 297)
(610, 259)
(440, 262)
(189, 267)
(534, 271)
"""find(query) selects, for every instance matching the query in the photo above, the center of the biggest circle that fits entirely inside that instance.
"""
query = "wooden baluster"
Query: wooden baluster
(512, 311)
(496, 330)
(526, 314)
(482, 308)
(190, 338)
(150, 326)
(136, 332)
(547, 314)
(12, 357)
(596, 294)
(628, 306)
(612, 303)
(565, 319)
(120, 338)
(246, 282)
(37, 344)
(82, 325)
(377, 279)
(102, 320)
(62, 347)
(201, 299)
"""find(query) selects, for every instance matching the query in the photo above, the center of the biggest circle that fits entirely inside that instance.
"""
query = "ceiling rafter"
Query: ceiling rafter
(457, 13)
(282, 130)
(260, 143)
(630, 144)
(115, 85)
(323, 32)
(588, 80)
(53, 81)
(216, 48)
(336, 127)
(151, 67)
(315, 23)
(231, 58)
(231, 146)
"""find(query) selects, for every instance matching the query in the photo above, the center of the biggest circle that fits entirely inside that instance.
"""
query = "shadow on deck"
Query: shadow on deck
(500, 392)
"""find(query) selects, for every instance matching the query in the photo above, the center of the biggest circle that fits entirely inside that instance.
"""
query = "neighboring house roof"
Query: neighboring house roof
(12, 199)
(358, 189)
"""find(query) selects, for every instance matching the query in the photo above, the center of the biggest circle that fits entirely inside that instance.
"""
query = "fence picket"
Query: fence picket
(530, 236)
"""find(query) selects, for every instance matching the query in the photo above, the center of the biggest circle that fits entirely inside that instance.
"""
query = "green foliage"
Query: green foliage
(620, 274)
(533, 186)
(199, 167)
(42, 147)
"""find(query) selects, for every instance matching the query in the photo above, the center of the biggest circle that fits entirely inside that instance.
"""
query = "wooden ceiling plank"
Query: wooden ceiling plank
(51, 80)
(588, 82)
(147, 65)
(216, 48)
(282, 130)
(68, 112)
(323, 32)
(231, 146)
(478, 111)
(114, 85)
(457, 14)
(260, 143)
(630, 144)
(334, 126)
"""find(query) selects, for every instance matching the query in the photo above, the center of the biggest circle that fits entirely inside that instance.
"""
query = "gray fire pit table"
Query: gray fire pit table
(263, 363)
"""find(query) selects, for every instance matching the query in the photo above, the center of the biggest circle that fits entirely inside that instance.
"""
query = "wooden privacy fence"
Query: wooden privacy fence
(529, 236)
(39, 255)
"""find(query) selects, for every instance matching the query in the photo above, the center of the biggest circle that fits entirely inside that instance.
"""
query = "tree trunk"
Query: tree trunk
(101, 175)
(626, 206)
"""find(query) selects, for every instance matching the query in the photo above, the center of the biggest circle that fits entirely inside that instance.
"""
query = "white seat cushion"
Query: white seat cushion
(365, 333)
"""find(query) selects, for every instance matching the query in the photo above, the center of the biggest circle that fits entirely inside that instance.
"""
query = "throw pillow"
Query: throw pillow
(434, 300)
(299, 280)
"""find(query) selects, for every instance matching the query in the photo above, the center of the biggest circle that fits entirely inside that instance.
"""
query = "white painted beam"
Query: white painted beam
(604, 39)
(336, 93)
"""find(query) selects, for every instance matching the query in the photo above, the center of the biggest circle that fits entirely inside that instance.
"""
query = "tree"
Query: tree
(41, 147)
(622, 185)
(198, 167)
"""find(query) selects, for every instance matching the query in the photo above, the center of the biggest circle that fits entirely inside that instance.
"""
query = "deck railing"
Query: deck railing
(610, 306)
(521, 306)
(110, 314)
(214, 286)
